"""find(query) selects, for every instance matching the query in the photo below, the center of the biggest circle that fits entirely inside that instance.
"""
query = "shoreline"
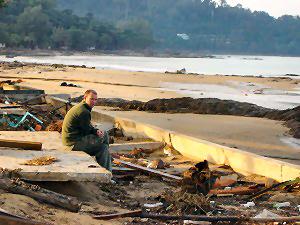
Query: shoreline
(296, 77)
(129, 53)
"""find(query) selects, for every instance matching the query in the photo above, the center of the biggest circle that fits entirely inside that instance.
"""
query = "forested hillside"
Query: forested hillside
(41, 24)
(199, 26)
(208, 26)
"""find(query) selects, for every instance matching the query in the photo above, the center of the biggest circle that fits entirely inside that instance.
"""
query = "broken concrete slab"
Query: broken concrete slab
(70, 166)
(137, 145)
(241, 161)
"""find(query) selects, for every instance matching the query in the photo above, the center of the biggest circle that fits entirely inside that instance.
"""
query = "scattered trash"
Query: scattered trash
(225, 181)
(153, 205)
(183, 202)
(182, 71)
(285, 197)
(266, 214)
(198, 179)
(65, 84)
(168, 151)
(212, 203)
(156, 164)
(55, 126)
(196, 222)
(282, 205)
(258, 91)
(249, 204)
(136, 153)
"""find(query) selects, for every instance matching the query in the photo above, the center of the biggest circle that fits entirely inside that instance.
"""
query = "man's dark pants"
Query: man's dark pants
(96, 146)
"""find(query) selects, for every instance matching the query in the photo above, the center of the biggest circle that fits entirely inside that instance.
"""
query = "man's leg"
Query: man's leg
(103, 157)
(96, 146)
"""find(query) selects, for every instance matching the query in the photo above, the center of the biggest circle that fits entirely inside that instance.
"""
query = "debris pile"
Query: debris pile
(154, 185)
(184, 203)
(55, 126)
(33, 114)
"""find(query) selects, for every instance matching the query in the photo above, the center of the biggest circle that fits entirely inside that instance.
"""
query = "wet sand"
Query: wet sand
(142, 86)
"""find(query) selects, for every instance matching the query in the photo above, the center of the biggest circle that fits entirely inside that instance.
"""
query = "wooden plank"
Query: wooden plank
(26, 145)
(147, 170)
(130, 146)
(69, 166)
(235, 191)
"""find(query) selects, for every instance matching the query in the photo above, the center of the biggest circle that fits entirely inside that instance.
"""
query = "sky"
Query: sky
(275, 8)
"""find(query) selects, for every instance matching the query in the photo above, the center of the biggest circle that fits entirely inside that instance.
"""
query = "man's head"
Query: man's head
(90, 98)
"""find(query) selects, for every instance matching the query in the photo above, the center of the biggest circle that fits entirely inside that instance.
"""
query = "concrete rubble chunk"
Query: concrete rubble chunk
(70, 166)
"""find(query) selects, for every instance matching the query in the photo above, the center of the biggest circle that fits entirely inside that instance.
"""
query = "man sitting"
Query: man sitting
(79, 134)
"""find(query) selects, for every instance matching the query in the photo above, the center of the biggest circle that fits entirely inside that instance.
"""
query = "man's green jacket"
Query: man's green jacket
(77, 124)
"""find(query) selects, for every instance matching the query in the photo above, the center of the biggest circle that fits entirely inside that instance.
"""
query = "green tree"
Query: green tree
(35, 26)
(2, 3)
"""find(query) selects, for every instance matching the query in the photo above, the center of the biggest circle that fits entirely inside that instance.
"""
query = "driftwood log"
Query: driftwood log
(17, 186)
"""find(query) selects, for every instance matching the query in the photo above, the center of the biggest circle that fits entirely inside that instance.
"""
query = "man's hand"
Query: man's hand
(100, 133)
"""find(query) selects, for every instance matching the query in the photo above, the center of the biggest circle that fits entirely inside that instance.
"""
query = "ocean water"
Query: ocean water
(269, 66)
(239, 91)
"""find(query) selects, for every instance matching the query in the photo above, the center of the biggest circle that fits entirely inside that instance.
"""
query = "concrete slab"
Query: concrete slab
(71, 166)
(131, 146)
(197, 149)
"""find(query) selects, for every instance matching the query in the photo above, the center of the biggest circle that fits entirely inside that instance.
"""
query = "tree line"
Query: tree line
(41, 24)
(169, 26)
(209, 26)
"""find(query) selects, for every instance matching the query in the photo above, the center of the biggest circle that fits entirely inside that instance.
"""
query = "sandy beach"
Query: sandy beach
(262, 136)
(142, 86)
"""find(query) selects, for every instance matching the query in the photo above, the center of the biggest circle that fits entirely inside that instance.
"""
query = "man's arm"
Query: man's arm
(85, 124)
